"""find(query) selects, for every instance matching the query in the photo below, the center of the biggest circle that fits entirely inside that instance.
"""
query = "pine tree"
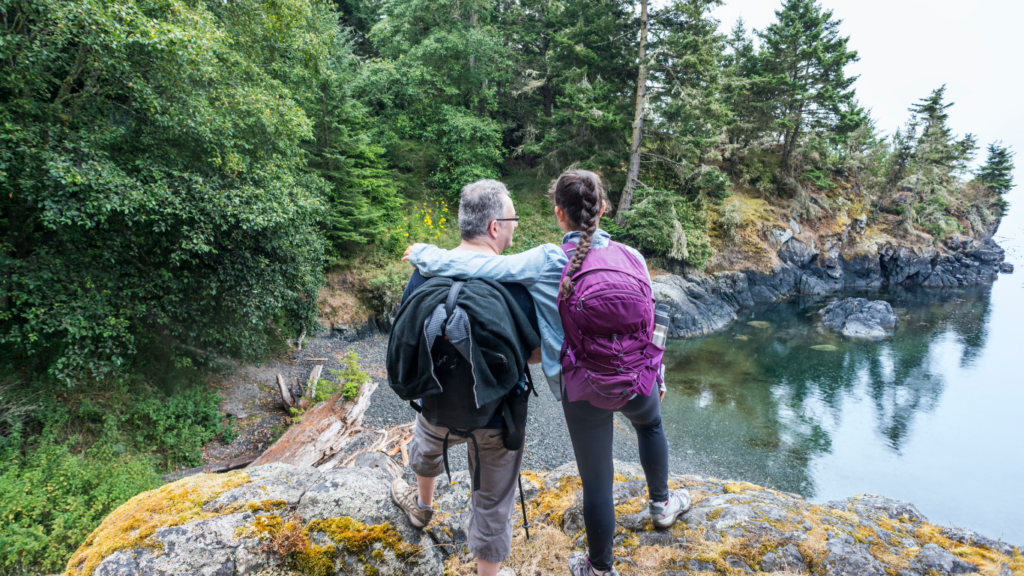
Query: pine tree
(997, 173)
(938, 161)
(803, 58)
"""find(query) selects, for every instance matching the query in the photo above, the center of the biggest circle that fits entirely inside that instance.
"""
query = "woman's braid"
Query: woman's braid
(582, 190)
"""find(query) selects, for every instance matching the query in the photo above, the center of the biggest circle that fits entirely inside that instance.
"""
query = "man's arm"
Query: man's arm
(525, 268)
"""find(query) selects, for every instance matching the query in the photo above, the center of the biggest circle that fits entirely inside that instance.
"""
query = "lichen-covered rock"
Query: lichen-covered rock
(860, 318)
(283, 520)
(932, 559)
(339, 521)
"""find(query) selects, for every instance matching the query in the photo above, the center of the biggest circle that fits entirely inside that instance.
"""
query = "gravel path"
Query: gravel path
(251, 392)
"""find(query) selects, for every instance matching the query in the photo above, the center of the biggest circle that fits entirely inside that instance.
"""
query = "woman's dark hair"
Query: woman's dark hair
(580, 194)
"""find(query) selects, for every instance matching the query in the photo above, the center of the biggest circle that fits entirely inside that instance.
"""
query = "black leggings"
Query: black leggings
(591, 431)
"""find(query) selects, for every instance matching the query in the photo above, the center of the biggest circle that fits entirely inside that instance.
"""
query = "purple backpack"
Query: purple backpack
(607, 356)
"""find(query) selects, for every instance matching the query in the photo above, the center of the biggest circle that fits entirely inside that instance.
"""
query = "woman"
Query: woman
(579, 204)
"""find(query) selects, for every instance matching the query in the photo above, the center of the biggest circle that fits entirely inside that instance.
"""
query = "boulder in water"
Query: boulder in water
(860, 318)
(1006, 268)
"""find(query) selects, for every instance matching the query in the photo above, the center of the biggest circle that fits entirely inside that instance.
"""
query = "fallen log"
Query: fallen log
(286, 395)
(214, 467)
(323, 431)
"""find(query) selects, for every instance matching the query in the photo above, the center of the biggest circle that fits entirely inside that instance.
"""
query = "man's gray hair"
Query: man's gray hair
(480, 204)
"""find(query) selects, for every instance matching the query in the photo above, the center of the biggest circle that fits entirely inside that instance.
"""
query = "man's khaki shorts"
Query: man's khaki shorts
(490, 524)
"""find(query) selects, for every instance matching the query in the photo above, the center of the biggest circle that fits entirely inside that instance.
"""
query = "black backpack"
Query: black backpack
(454, 408)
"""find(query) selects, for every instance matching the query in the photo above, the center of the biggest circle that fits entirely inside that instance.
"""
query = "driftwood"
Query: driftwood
(314, 377)
(286, 395)
(213, 467)
(322, 433)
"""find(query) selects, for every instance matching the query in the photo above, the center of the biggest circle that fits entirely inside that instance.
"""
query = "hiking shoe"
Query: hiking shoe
(406, 498)
(579, 565)
(506, 571)
(663, 514)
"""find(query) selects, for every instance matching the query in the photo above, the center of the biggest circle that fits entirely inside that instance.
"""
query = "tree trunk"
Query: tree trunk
(638, 123)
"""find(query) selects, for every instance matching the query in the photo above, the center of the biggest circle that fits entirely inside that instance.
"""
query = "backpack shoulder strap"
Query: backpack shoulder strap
(453, 295)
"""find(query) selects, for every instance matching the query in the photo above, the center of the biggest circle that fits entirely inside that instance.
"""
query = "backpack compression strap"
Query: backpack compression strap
(453, 295)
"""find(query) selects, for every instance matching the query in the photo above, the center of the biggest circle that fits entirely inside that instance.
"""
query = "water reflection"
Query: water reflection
(758, 402)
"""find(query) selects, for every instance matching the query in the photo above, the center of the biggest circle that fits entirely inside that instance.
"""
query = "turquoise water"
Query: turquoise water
(932, 416)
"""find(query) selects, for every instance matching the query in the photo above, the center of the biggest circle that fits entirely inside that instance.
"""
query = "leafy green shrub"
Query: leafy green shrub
(819, 178)
(178, 425)
(731, 216)
(709, 182)
(158, 185)
(347, 381)
(54, 493)
(662, 223)
(383, 291)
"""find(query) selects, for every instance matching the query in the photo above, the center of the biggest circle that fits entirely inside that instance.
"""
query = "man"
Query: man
(487, 222)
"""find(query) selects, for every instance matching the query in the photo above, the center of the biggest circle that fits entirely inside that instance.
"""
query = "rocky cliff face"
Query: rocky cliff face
(280, 519)
(804, 263)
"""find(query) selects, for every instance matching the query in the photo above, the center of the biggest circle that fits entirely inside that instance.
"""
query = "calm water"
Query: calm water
(932, 416)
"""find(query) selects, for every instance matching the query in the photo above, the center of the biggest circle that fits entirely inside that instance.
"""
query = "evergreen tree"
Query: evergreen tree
(744, 89)
(997, 173)
(938, 161)
(686, 98)
(362, 194)
(803, 60)
(573, 101)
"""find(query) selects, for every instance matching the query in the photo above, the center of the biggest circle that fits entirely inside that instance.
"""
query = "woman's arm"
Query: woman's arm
(525, 268)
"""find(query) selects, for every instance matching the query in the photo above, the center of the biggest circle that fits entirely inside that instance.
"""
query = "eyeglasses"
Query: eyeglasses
(516, 219)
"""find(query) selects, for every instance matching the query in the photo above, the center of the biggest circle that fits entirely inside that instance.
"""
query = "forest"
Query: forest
(180, 180)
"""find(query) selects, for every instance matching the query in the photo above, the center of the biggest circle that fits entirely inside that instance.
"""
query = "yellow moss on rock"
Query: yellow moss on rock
(357, 537)
(137, 519)
(741, 487)
(266, 506)
(263, 527)
(315, 560)
(629, 507)
(556, 502)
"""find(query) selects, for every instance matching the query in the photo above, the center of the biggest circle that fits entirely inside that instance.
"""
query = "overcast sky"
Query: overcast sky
(910, 47)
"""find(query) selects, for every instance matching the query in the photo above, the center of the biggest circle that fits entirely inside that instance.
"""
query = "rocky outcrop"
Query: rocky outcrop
(285, 519)
(701, 304)
(860, 318)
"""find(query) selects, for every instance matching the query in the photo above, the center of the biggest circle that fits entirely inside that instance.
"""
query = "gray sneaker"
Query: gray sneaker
(406, 498)
(663, 514)
(579, 565)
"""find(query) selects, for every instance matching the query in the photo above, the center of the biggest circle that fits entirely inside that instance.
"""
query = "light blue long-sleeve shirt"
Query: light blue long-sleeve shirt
(538, 269)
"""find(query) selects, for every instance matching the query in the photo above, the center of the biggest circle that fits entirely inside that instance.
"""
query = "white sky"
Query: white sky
(910, 47)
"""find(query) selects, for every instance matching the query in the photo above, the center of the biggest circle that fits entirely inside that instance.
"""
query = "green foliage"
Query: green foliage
(176, 426)
(347, 381)
(934, 166)
(796, 83)
(384, 290)
(363, 195)
(662, 223)
(819, 178)
(54, 492)
(997, 173)
(152, 177)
